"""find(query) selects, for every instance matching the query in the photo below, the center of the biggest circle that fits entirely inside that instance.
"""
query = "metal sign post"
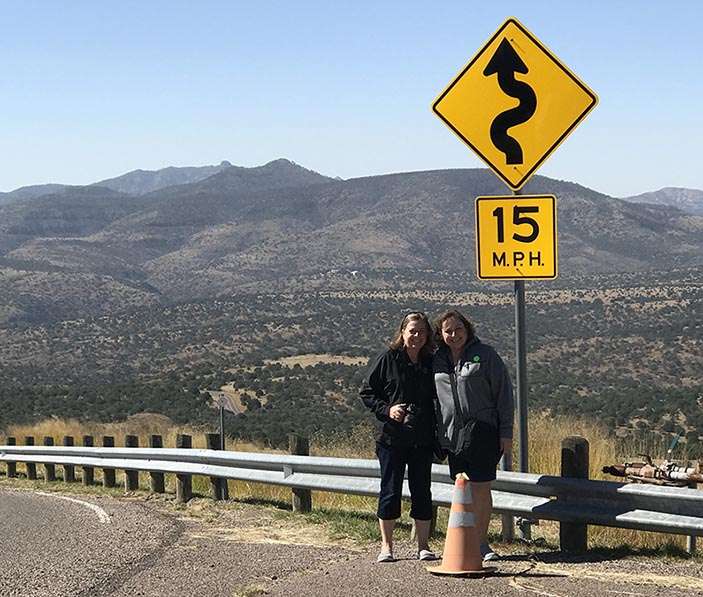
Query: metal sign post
(222, 426)
(521, 373)
(225, 487)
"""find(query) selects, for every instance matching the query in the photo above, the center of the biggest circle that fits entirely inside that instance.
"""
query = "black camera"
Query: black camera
(410, 418)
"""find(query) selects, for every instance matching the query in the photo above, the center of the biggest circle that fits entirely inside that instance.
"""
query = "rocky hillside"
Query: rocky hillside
(30, 192)
(281, 226)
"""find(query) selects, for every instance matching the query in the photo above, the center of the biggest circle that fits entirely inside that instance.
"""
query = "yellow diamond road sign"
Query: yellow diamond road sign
(516, 237)
(514, 103)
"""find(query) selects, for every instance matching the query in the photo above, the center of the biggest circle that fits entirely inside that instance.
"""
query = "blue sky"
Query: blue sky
(91, 90)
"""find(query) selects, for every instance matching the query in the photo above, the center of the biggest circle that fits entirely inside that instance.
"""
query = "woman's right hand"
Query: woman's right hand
(397, 412)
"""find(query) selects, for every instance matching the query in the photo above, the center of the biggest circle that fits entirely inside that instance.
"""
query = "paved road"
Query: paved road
(50, 546)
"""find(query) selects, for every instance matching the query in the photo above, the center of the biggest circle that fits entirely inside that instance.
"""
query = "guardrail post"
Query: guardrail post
(156, 480)
(691, 539)
(218, 485)
(31, 467)
(69, 471)
(184, 483)
(11, 466)
(131, 478)
(573, 537)
(507, 522)
(49, 469)
(109, 476)
(302, 498)
(88, 472)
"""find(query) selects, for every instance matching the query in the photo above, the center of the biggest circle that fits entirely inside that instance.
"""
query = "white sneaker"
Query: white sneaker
(385, 556)
(427, 555)
(488, 554)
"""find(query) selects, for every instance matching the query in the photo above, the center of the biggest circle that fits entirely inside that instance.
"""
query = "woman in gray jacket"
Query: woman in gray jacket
(472, 385)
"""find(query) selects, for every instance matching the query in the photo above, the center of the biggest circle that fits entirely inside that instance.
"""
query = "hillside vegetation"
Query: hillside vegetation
(624, 350)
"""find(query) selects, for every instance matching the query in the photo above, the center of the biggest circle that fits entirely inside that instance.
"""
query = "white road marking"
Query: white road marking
(103, 516)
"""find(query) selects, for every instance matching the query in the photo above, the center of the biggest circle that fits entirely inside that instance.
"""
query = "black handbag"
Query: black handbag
(475, 440)
(478, 441)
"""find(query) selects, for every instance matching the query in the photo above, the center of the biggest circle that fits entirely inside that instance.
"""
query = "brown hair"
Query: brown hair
(428, 347)
(470, 330)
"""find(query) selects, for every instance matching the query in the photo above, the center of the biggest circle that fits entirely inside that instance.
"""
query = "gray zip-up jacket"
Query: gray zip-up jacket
(483, 388)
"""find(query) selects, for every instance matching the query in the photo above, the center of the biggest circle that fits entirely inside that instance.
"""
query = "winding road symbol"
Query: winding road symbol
(514, 103)
(505, 63)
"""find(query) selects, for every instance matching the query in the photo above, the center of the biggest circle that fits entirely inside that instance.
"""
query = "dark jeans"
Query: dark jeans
(393, 461)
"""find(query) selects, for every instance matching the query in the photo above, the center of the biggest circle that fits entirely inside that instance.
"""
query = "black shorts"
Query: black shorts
(478, 472)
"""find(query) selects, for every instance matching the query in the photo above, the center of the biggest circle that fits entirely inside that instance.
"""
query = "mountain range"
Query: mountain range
(186, 233)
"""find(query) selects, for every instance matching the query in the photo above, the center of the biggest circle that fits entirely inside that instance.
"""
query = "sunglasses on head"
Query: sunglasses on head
(417, 314)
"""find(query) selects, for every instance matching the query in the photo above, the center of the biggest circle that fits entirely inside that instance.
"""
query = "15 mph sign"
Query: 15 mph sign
(516, 237)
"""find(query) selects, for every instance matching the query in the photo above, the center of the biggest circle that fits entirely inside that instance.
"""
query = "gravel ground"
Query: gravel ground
(153, 547)
(521, 574)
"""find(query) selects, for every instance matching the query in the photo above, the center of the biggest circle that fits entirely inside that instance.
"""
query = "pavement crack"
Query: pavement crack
(518, 581)
(127, 571)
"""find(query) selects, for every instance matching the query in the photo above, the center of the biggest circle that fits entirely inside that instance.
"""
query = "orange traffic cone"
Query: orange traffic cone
(462, 551)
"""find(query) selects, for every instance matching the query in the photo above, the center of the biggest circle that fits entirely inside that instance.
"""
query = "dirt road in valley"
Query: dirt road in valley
(150, 547)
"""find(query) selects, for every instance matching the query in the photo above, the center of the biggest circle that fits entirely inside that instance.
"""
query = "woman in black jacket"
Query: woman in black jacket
(399, 390)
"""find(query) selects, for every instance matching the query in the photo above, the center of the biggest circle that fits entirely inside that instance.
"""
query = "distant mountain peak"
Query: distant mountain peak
(141, 182)
(687, 200)
(284, 163)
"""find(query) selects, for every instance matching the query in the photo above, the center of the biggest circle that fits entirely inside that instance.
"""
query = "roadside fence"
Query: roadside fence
(571, 499)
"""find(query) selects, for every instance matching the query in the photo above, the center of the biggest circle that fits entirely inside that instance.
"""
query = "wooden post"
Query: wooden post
(131, 478)
(49, 469)
(109, 478)
(573, 537)
(11, 466)
(69, 471)
(302, 498)
(31, 467)
(88, 472)
(156, 480)
(184, 483)
(218, 485)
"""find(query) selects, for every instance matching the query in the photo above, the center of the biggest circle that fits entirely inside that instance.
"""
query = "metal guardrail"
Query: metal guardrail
(641, 507)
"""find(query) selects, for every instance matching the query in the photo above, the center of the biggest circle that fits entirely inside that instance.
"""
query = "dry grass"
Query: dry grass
(545, 452)
(546, 434)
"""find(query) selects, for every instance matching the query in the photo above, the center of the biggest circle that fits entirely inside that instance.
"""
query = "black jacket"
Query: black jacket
(392, 378)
